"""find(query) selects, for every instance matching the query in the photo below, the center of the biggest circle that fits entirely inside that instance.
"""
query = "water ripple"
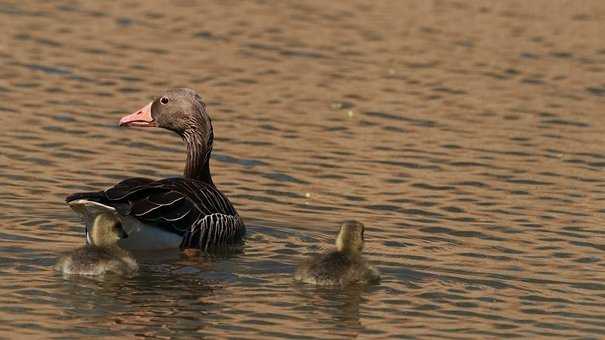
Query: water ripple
(474, 159)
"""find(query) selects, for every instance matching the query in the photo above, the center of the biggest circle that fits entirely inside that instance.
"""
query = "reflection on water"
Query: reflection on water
(467, 137)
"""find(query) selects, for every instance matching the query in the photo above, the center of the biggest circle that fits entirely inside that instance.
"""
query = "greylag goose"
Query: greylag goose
(343, 266)
(180, 212)
(102, 255)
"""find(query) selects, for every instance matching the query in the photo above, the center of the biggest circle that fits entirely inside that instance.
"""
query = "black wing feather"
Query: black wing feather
(126, 188)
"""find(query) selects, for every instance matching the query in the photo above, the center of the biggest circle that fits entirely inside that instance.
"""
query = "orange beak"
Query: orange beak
(140, 118)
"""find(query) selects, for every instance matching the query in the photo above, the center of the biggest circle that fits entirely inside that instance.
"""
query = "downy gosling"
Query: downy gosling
(102, 255)
(343, 266)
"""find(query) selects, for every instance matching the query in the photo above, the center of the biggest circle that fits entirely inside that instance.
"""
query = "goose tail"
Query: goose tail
(88, 212)
(89, 196)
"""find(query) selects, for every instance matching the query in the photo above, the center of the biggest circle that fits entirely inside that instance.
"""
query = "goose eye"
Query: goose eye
(164, 100)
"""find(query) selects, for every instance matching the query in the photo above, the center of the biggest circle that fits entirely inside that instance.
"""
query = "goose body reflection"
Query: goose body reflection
(102, 255)
(344, 266)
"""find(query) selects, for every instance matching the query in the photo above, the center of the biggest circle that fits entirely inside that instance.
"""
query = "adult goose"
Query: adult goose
(180, 212)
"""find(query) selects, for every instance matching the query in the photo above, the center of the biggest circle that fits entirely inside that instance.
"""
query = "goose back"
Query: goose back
(194, 210)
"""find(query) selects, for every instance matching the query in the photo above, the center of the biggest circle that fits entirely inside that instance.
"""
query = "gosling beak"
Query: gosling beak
(139, 118)
(122, 233)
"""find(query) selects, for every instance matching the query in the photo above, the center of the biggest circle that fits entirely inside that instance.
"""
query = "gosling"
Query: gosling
(343, 266)
(102, 255)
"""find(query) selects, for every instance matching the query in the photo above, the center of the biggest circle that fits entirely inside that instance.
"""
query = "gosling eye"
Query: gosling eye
(164, 100)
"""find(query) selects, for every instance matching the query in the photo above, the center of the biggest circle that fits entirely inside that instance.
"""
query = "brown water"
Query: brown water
(469, 138)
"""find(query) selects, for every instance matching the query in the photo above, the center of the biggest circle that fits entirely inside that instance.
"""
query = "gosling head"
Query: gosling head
(350, 238)
(106, 231)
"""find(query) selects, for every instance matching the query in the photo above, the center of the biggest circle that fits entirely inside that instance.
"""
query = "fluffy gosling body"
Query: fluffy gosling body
(343, 266)
(102, 255)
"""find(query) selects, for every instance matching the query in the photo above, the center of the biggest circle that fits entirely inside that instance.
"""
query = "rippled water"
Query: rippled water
(469, 138)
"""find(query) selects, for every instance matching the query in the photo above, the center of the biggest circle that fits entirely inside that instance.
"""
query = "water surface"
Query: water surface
(468, 138)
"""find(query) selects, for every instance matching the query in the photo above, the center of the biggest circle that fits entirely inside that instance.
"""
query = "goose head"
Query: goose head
(180, 110)
(350, 238)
